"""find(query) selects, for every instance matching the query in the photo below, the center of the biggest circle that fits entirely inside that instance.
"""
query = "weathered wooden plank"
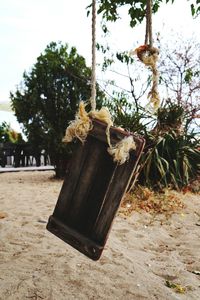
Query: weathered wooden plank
(74, 238)
(73, 172)
(99, 131)
(84, 184)
(98, 188)
(115, 192)
(92, 190)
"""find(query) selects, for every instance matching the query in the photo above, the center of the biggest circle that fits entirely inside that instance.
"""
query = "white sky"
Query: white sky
(27, 26)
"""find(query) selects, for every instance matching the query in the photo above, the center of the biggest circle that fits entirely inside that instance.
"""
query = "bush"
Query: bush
(8, 135)
(172, 156)
(170, 160)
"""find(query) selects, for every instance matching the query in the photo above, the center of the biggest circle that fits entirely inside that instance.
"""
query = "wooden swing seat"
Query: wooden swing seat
(92, 191)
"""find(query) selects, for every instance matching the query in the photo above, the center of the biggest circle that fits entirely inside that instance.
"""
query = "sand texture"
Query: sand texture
(140, 259)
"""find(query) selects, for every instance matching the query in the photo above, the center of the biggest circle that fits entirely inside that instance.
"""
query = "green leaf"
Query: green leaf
(193, 11)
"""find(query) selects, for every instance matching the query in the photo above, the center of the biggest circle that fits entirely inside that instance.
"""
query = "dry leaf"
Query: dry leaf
(3, 215)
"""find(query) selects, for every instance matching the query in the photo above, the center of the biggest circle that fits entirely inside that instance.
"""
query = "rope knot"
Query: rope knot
(121, 150)
(147, 54)
(80, 127)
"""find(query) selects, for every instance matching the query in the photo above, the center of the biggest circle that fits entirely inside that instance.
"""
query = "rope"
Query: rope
(149, 56)
(147, 27)
(93, 77)
(148, 35)
(80, 127)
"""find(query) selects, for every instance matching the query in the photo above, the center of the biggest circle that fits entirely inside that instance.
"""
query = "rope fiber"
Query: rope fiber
(149, 56)
(148, 35)
(80, 127)
(93, 77)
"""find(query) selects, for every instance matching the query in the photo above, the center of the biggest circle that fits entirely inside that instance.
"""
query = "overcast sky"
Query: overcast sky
(27, 26)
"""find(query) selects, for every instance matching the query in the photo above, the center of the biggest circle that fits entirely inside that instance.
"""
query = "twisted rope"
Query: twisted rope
(93, 77)
(82, 124)
(149, 56)
(148, 35)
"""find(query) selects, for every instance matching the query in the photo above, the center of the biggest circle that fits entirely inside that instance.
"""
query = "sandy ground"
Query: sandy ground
(140, 255)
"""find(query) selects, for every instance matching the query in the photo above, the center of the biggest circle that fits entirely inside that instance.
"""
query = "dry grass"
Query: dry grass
(144, 199)
(193, 187)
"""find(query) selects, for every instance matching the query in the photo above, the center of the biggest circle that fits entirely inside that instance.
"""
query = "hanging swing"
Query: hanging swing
(98, 175)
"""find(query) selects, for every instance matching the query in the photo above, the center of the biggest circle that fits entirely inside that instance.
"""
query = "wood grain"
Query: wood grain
(92, 191)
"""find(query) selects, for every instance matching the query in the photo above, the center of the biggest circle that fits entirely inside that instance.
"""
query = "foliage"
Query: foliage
(136, 9)
(179, 80)
(195, 8)
(126, 115)
(48, 98)
(172, 160)
(172, 156)
(170, 116)
(8, 135)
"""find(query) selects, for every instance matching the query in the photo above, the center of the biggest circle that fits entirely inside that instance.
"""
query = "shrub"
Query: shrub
(172, 155)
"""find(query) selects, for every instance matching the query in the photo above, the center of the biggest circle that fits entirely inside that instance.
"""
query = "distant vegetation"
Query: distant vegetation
(8, 135)
(48, 98)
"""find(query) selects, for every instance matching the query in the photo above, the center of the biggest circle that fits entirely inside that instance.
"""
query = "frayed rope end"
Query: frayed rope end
(120, 151)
